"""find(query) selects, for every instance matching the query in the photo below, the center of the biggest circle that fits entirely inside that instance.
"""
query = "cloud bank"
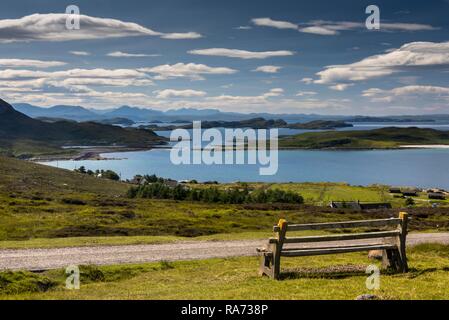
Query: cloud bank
(52, 27)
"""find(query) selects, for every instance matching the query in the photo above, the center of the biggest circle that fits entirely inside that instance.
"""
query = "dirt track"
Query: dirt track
(43, 259)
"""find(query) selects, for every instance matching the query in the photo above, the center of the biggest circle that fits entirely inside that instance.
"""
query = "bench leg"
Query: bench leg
(276, 265)
(266, 264)
(391, 258)
(403, 257)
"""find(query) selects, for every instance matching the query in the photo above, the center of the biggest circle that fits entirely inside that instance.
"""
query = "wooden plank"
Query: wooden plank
(314, 252)
(356, 245)
(342, 225)
(339, 237)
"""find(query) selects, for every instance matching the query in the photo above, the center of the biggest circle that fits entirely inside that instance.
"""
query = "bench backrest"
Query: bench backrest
(283, 227)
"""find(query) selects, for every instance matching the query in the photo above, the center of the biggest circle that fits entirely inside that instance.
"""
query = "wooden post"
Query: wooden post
(278, 248)
(402, 241)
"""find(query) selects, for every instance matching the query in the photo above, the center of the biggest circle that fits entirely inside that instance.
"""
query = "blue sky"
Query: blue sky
(247, 56)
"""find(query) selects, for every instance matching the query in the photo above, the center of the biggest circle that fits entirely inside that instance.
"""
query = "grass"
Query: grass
(23, 148)
(321, 277)
(384, 138)
(42, 206)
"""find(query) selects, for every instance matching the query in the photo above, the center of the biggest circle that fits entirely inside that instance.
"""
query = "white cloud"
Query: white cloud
(275, 92)
(307, 80)
(341, 86)
(334, 28)
(182, 36)
(243, 28)
(120, 54)
(52, 27)
(268, 22)
(407, 92)
(322, 27)
(414, 54)
(268, 69)
(170, 93)
(80, 53)
(241, 54)
(239, 103)
(306, 93)
(73, 79)
(13, 63)
(186, 70)
(319, 30)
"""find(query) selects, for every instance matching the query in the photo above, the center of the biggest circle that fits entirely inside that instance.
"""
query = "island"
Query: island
(258, 123)
(384, 138)
(320, 125)
(117, 121)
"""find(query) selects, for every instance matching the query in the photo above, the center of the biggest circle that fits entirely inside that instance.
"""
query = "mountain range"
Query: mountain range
(79, 113)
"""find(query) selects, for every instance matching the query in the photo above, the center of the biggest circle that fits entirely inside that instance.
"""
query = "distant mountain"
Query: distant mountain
(61, 111)
(192, 112)
(133, 113)
(15, 126)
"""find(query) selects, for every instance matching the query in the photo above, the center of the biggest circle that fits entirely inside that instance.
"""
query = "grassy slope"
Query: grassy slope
(372, 139)
(22, 148)
(320, 277)
(37, 204)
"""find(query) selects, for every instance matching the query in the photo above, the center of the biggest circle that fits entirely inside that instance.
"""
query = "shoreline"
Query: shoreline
(93, 153)
(425, 146)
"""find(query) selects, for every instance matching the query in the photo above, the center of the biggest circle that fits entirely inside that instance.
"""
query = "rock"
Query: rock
(375, 254)
(367, 297)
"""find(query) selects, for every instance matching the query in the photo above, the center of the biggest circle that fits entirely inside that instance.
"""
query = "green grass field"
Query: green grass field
(42, 206)
(322, 277)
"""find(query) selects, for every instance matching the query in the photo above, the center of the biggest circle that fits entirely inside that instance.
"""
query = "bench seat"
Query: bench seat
(294, 252)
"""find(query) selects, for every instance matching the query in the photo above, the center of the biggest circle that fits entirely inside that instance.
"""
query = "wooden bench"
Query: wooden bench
(391, 242)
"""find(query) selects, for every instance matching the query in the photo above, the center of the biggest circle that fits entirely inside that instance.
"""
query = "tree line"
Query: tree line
(159, 190)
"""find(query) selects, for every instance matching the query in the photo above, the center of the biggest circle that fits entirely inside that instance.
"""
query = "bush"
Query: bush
(409, 202)
(106, 174)
(76, 202)
(214, 195)
(111, 175)
(24, 282)
(91, 273)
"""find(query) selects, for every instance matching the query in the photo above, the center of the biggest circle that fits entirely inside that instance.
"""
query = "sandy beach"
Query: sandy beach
(427, 146)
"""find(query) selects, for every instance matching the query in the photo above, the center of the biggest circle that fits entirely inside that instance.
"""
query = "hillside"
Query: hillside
(18, 176)
(384, 138)
(16, 127)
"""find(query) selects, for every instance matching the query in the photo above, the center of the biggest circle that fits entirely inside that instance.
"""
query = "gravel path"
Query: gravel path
(44, 259)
